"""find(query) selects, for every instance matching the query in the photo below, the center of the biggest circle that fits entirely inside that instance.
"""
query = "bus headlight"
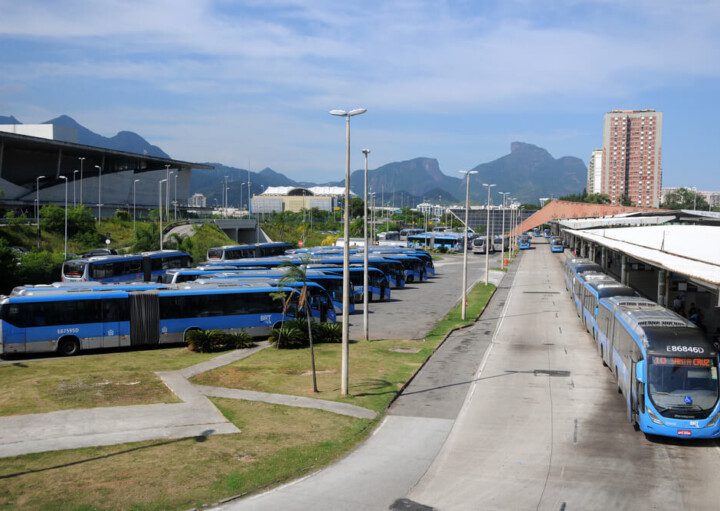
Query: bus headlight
(713, 421)
(654, 417)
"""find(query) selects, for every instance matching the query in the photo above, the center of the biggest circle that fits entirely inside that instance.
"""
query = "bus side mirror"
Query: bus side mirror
(596, 311)
(640, 371)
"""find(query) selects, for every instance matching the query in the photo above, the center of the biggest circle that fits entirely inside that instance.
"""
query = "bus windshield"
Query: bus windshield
(74, 269)
(683, 384)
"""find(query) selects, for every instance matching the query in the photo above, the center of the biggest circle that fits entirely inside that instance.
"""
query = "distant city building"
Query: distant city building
(594, 175)
(478, 215)
(290, 198)
(197, 200)
(712, 198)
(631, 157)
(430, 209)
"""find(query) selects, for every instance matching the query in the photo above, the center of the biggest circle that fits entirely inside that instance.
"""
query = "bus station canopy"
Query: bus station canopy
(689, 250)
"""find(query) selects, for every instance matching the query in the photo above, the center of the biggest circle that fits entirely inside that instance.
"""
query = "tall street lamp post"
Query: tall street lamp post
(74, 174)
(66, 196)
(487, 236)
(37, 199)
(99, 190)
(366, 300)
(175, 198)
(160, 209)
(134, 183)
(167, 191)
(344, 383)
(241, 201)
(463, 307)
(82, 159)
(502, 233)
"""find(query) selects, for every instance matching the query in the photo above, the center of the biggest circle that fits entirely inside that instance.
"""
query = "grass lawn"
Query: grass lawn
(276, 443)
(87, 381)
(378, 369)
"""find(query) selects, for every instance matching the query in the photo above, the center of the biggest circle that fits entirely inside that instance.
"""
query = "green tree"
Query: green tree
(356, 207)
(8, 268)
(42, 267)
(683, 198)
(203, 238)
(147, 237)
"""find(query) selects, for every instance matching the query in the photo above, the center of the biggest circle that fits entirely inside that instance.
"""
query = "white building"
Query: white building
(292, 198)
(594, 173)
(197, 200)
(713, 198)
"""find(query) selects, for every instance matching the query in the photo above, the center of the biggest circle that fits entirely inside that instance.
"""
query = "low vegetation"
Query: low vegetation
(477, 299)
(211, 341)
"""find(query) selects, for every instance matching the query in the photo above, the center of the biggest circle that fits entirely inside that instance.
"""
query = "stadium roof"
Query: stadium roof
(23, 158)
(299, 190)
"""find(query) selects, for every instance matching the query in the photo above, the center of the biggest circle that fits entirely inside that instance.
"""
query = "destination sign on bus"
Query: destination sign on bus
(678, 361)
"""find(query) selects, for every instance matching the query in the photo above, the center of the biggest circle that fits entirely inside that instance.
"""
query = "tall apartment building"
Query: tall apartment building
(631, 157)
(594, 176)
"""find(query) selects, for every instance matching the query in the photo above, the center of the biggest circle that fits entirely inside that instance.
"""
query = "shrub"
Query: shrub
(209, 341)
(123, 215)
(40, 267)
(294, 334)
(147, 237)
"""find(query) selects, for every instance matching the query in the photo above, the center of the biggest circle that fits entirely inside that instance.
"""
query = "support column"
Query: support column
(624, 273)
(603, 258)
(662, 289)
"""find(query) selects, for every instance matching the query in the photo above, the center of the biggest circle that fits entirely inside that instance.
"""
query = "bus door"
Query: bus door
(144, 318)
(111, 328)
(634, 394)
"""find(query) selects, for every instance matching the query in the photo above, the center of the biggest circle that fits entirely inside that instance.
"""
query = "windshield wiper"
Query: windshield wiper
(683, 408)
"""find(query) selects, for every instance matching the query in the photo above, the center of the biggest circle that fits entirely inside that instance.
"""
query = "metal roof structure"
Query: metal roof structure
(24, 157)
(690, 250)
(301, 190)
(623, 220)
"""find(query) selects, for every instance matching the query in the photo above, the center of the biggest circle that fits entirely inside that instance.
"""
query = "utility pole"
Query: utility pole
(488, 239)
(463, 307)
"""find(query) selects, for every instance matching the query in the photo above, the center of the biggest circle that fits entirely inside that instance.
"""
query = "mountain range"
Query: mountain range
(528, 172)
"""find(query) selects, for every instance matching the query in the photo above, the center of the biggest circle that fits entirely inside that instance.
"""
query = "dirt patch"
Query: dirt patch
(325, 371)
(405, 350)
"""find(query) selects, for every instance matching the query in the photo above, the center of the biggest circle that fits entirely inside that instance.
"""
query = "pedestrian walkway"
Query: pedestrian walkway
(385, 468)
(195, 416)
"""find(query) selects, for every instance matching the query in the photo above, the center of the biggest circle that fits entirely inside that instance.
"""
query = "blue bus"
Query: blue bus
(579, 282)
(83, 287)
(379, 287)
(664, 367)
(413, 267)
(592, 292)
(415, 252)
(272, 249)
(252, 262)
(575, 265)
(69, 321)
(451, 241)
(557, 246)
(393, 270)
(524, 242)
(148, 267)
(333, 284)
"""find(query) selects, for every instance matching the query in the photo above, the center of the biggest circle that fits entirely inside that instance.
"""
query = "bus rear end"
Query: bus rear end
(75, 271)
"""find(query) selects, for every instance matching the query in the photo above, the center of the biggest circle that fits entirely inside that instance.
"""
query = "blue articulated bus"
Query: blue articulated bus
(321, 305)
(415, 252)
(333, 284)
(664, 367)
(556, 245)
(148, 267)
(575, 265)
(413, 267)
(70, 321)
(579, 281)
(594, 291)
(83, 287)
(252, 262)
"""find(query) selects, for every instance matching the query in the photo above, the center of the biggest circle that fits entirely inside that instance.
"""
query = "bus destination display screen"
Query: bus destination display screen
(680, 361)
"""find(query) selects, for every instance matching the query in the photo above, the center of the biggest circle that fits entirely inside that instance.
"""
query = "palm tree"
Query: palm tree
(299, 274)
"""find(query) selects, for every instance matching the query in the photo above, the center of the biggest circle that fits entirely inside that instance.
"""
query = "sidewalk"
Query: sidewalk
(385, 468)
(195, 416)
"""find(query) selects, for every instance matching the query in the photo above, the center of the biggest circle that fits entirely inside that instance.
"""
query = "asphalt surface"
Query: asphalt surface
(410, 314)
(544, 427)
(538, 425)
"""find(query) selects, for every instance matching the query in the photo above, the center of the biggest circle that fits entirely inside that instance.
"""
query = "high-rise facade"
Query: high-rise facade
(594, 176)
(631, 157)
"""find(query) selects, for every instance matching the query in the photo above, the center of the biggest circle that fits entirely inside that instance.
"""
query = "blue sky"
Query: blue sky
(251, 82)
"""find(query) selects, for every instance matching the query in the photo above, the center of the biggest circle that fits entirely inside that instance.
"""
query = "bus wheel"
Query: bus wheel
(602, 356)
(68, 346)
(617, 379)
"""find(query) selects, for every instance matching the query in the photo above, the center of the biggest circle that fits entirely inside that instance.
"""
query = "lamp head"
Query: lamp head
(339, 113)
(97, 166)
(40, 177)
(357, 111)
(63, 177)
(366, 151)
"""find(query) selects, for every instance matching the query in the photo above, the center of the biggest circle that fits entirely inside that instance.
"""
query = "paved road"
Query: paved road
(410, 314)
(531, 440)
